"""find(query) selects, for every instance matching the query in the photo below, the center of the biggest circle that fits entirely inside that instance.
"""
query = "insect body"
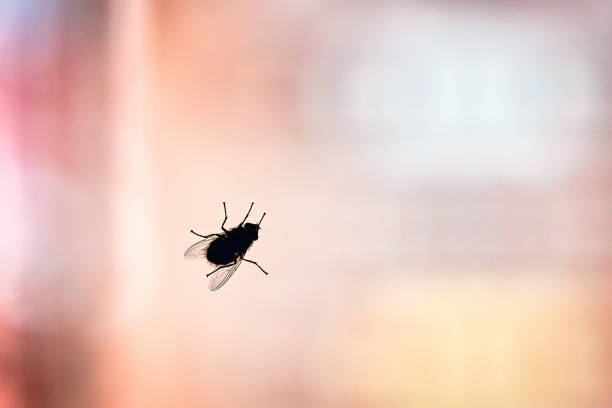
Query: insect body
(226, 249)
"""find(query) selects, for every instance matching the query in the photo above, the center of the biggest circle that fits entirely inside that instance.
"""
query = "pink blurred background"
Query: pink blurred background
(436, 175)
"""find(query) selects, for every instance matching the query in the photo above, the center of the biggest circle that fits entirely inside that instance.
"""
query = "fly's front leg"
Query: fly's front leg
(225, 219)
(221, 267)
(253, 262)
(246, 216)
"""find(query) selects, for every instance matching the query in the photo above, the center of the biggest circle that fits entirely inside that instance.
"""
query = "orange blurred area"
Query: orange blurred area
(436, 179)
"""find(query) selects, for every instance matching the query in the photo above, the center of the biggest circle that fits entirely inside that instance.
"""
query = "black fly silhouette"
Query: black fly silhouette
(226, 249)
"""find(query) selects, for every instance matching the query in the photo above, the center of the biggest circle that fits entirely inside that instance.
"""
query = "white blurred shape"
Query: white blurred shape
(11, 219)
(456, 97)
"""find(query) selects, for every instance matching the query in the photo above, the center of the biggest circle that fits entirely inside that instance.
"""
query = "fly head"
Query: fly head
(253, 230)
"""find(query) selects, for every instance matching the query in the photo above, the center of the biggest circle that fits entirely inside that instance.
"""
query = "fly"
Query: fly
(227, 249)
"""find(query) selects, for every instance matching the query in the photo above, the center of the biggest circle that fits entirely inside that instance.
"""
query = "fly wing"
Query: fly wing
(198, 250)
(220, 277)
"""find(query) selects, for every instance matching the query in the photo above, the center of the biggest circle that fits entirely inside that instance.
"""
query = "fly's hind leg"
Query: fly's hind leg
(256, 264)
(221, 267)
(203, 236)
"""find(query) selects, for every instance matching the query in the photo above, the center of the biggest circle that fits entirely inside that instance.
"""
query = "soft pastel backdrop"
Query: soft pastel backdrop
(437, 179)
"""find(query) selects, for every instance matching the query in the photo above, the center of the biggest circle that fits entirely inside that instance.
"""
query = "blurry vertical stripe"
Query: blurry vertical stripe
(136, 265)
(51, 121)
(11, 214)
(11, 179)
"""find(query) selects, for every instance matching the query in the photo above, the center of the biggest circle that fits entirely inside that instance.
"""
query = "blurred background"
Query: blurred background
(436, 175)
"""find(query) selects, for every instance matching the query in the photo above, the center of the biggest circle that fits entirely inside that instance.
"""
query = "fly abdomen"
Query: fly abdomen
(221, 252)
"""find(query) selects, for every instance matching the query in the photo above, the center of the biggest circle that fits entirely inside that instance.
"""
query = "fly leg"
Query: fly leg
(225, 219)
(222, 266)
(246, 216)
(253, 262)
(203, 236)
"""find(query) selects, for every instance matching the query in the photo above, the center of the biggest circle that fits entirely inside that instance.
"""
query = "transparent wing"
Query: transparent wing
(219, 278)
(198, 250)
